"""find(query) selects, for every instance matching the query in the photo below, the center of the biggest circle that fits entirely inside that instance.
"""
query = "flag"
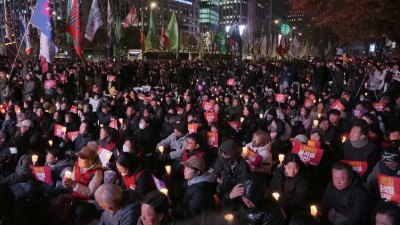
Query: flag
(222, 41)
(151, 34)
(282, 49)
(110, 27)
(7, 22)
(119, 33)
(68, 12)
(172, 32)
(44, 64)
(26, 38)
(131, 19)
(163, 39)
(142, 41)
(74, 26)
(264, 45)
(42, 19)
(296, 43)
(236, 40)
(94, 21)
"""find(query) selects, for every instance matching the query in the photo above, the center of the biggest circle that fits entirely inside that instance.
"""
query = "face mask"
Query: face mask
(123, 174)
(204, 83)
(227, 160)
(362, 99)
(255, 144)
(273, 129)
(269, 118)
(125, 148)
(141, 126)
(95, 97)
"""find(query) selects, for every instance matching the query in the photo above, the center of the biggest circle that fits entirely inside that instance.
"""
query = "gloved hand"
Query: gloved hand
(164, 157)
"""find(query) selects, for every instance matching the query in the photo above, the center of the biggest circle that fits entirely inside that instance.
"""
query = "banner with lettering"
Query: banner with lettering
(208, 106)
(114, 124)
(59, 130)
(72, 135)
(42, 173)
(389, 187)
(359, 113)
(337, 105)
(359, 166)
(211, 116)
(50, 84)
(212, 139)
(253, 159)
(231, 82)
(280, 98)
(315, 144)
(192, 127)
(111, 78)
(308, 103)
(379, 106)
(235, 125)
(309, 155)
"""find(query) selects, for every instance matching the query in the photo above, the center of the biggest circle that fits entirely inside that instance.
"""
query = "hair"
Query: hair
(158, 201)
(108, 194)
(149, 110)
(392, 130)
(196, 138)
(252, 114)
(4, 134)
(128, 161)
(56, 152)
(216, 124)
(71, 116)
(90, 107)
(109, 131)
(89, 126)
(343, 166)
(363, 125)
(303, 218)
(307, 111)
(320, 134)
(390, 209)
(264, 138)
(334, 112)
(369, 116)
(147, 120)
(292, 157)
(280, 127)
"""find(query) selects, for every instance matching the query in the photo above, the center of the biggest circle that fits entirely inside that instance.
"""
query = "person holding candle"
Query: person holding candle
(42, 121)
(292, 185)
(176, 142)
(198, 190)
(147, 135)
(339, 126)
(249, 124)
(280, 133)
(260, 145)
(234, 111)
(107, 141)
(29, 138)
(318, 111)
(135, 173)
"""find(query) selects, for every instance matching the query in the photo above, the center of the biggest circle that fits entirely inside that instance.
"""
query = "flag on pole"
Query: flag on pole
(222, 41)
(163, 39)
(131, 19)
(26, 38)
(110, 27)
(151, 34)
(7, 22)
(74, 26)
(172, 32)
(68, 12)
(94, 21)
(282, 49)
(142, 41)
(119, 33)
(42, 19)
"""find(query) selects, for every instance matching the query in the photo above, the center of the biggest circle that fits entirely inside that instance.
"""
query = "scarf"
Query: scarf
(359, 144)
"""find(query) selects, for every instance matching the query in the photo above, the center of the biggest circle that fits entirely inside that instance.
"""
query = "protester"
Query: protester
(155, 209)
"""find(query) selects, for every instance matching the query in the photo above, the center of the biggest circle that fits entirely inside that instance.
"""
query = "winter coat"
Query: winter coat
(57, 174)
(23, 172)
(249, 127)
(148, 138)
(293, 191)
(29, 89)
(79, 142)
(31, 139)
(352, 203)
(374, 81)
(266, 163)
(176, 145)
(128, 212)
(198, 196)
(104, 119)
(43, 124)
(112, 146)
(3, 85)
(284, 76)
(94, 183)
(169, 124)
(380, 167)
(142, 177)
(235, 112)
(132, 125)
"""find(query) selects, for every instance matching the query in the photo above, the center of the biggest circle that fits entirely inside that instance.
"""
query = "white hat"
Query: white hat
(26, 123)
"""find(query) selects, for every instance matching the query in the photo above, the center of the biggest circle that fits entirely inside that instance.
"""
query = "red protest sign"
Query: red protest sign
(49, 84)
(42, 173)
(359, 166)
(72, 135)
(379, 106)
(59, 130)
(253, 159)
(73, 109)
(309, 155)
(192, 127)
(212, 139)
(63, 79)
(280, 98)
(231, 82)
(389, 187)
(95, 89)
(179, 110)
(315, 144)
(308, 103)
(235, 125)
(337, 105)
(111, 78)
(211, 116)
(114, 124)
(208, 106)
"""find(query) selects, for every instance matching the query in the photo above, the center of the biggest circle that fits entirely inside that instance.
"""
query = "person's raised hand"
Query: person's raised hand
(236, 191)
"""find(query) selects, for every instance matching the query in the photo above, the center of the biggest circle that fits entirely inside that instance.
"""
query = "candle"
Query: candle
(108, 156)
(241, 119)
(276, 195)
(261, 115)
(68, 174)
(47, 111)
(240, 96)
(18, 111)
(98, 122)
(101, 125)
(168, 169)
(244, 150)
(34, 159)
(314, 210)
(366, 94)
(319, 99)
(50, 142)
(315, 122)
(229, 217)
(121, 120)
(344, 139)
(319, 115)
(314, 101)
(281, 157)
(161, 148)
(164, 191)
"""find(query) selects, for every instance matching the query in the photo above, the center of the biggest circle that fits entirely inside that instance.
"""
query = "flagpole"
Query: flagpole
(25, 33)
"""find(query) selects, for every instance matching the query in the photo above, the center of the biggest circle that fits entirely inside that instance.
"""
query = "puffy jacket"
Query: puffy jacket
(95, 180)
(23, 172)
(57, 173)
(235, 112)
(104, 118)
(148, 138)
(80, 142)
(176, 145)
(128, 212)
(142, 178)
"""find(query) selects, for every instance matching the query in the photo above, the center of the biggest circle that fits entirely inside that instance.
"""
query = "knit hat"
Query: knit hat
(88, 152)
(391, 154)
(181, 127)
(12, 115)
(301, 138)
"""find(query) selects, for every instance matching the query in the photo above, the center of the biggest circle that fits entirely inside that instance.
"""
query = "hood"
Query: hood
(67, 161)
(257, 149)
(232, 148)
(96, 165)
(205, 177)
(130, 203)
(255, 188)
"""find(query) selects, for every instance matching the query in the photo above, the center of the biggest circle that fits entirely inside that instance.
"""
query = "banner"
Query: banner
(212, 139)
(94, 21)
(253, 159)
(211, 116)
(208, 106)
(389, 187)
(104, 155)
(131, 19)
(111, 78)
(192, 127)
(63, 79)
(231, 82)
(337, 105)
(359, 113)
(379, 106)
(42, 173)
(280, 98)
(114, 124)
(95, 89)
(308, 103)
(235, 125)
(359, 166)
(72, 135)
(309, 155)
(50, 84)
(74, 26)
(59, 130)
(315, 144)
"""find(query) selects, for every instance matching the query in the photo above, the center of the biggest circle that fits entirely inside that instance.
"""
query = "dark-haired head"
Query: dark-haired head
(388, 213)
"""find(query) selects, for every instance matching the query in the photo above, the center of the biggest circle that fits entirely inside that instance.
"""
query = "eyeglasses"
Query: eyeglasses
(190, 143)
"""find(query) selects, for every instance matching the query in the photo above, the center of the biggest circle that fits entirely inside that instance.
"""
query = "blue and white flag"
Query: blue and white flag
(94, 21)
(26, 38)
(42, 19)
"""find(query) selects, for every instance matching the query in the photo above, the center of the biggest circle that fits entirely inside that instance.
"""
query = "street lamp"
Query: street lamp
(153, 5)
(276, 21)
(294, 28)
(300, 34)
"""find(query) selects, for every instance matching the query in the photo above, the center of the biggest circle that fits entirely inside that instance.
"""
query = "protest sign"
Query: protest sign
(212, 139)
(389, 187)
(42, 173)
(359, 166)
(309, 155)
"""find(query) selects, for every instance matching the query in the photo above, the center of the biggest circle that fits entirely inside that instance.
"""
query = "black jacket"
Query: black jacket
(31, 139)
(79, 142)
(104, 119)
(148, 138)
(352, 203)
(143, 178)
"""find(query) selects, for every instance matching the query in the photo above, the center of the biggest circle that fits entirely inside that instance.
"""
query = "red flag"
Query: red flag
(44, 64)
(164, 39)
(74, 26)
(142, 38)
(282, 47)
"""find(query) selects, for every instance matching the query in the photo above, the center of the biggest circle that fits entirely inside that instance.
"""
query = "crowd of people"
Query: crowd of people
(168, 142)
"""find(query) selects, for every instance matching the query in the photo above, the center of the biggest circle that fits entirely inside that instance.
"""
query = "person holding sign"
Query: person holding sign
(346, 200)
(249, 124)
(290, 183)
(108, 142)
(260, 145)
(176, 142)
